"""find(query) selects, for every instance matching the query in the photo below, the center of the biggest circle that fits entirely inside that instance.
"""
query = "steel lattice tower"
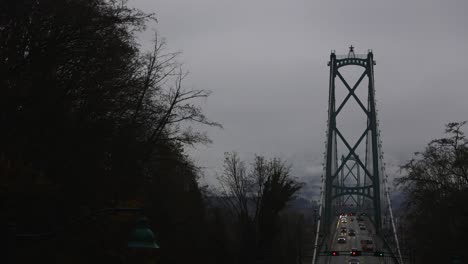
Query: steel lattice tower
(366, 190)
(359, 174)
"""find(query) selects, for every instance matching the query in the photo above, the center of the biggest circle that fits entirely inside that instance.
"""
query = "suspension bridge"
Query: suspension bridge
(355, 220)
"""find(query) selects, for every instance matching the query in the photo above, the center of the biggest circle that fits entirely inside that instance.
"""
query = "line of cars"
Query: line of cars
(366, 244)
(345, 231)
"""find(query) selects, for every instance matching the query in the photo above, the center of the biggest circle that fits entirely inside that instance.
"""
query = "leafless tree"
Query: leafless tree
(259, 175)
(256, 196)
(236, 185)
(163, 99)
(261, 191)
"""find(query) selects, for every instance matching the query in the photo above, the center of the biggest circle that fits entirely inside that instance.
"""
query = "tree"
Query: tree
(278, 189)
(236, 186)
(256, 197)
(90, 121)
(436, 184)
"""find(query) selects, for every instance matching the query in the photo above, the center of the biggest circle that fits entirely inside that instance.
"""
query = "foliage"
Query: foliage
(256, 197)
(437, 187)
(90, 121)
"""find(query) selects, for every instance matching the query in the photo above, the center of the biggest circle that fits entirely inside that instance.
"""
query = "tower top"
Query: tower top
(351, 52)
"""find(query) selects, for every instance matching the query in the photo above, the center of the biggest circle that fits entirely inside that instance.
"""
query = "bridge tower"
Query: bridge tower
(366, 188)
(357, 180)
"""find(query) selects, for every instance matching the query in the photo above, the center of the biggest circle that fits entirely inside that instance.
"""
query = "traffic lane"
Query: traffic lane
(335, 246)
(351, 242)
(378, 242)
(368, 233)
(329, 244)
(343, 248)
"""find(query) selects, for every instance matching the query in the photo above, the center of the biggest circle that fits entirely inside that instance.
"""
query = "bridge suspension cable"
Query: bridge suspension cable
(386, 189)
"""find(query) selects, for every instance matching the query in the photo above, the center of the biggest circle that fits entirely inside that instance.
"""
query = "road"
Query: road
(354, 242)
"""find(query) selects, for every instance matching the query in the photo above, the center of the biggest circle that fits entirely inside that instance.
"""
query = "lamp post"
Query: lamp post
(141, 245)
(142, 236)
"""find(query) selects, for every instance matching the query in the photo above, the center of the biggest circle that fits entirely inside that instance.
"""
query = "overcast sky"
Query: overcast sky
(266, 63)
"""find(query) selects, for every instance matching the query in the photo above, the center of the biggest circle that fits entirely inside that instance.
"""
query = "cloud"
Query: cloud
(266, 63)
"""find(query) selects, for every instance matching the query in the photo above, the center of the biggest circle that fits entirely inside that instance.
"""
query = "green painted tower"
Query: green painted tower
(354, 179)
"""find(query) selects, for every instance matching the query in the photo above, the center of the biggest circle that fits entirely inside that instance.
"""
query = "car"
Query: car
(343, 220)
(353, 261)
(343, 231)
(351, 232)
(363, 227)
(341, 239)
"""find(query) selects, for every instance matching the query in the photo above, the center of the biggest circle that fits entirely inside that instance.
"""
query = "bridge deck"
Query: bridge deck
(344, 249)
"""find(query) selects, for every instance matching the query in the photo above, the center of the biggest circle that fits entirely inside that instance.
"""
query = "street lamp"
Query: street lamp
(142, 236)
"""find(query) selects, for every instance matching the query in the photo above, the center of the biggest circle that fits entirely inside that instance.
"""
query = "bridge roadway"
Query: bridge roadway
(353, 242)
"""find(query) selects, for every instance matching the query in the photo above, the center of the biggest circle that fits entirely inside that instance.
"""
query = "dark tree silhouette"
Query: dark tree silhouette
(89, 121)
(436, 185)
(256, 198)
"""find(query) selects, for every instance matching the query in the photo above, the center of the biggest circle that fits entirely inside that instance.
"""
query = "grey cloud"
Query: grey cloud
(265, 62)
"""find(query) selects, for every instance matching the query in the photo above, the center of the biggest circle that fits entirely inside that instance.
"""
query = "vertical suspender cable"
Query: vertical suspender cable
(387, 193)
